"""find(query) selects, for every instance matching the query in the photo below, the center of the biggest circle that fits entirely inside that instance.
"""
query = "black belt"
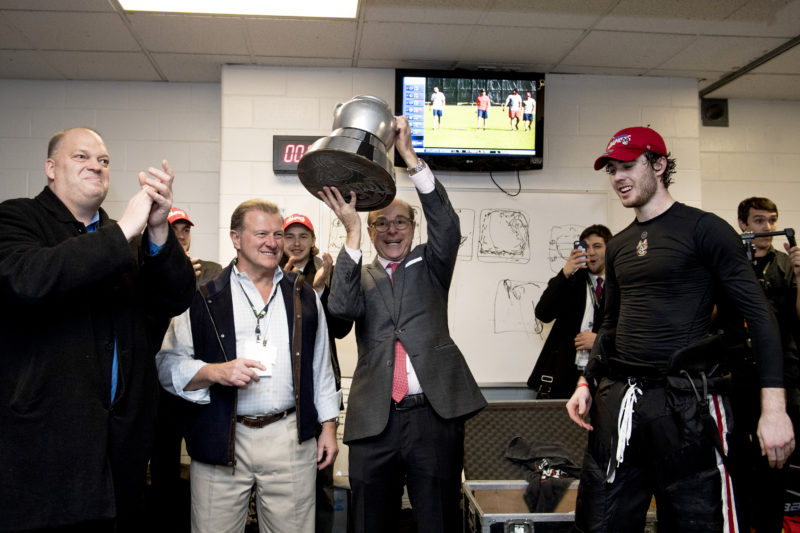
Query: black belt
(410, 402)
(265, 420)
(646, 376)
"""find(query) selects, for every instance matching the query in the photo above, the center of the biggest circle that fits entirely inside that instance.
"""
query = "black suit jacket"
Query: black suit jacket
(68, 299)
(564, 301)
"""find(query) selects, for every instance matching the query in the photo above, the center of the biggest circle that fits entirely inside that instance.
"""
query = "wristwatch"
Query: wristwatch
(334, 420)
(420, 165)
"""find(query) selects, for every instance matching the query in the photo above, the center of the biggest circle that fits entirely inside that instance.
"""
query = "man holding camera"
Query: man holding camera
(574, 299)
(777, 269)
(760, 489)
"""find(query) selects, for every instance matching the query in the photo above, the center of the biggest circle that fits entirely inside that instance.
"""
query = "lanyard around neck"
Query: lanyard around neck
(593, 293)
(257, 314)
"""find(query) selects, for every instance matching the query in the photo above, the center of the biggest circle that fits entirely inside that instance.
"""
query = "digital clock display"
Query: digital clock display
(287, 150)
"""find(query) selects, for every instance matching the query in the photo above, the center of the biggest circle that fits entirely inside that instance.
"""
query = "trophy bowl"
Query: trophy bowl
(354, 158)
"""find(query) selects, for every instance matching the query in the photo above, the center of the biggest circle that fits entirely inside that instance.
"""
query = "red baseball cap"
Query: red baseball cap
(176, 214)
(630, 143)
(298, 219)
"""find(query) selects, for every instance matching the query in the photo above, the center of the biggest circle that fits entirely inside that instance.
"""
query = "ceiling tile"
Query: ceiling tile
(195, 67)
(10, 38)
(576, 14)
(425, 11)
(21, 64)
(679, 9)
(707, 76)
(289, 61)
(73, 31)
(668, 16)
(191, 33)
(769, 18)
(103, 66)
(405, 63)
(540, 46)
(416, 4)
(390, 40)
(786, 63)
(720, 53)
(534, 67)
(310, 38)
(603, 71)
(761, 87)
(671, 38)
(626, 49)
(60, 5)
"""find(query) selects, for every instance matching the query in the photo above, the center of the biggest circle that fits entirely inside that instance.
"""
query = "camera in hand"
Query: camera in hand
(583, 246)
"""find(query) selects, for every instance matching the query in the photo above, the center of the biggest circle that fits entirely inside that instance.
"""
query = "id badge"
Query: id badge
(266, 355)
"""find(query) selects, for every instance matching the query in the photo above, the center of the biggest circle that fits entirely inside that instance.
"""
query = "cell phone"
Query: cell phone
(583, 246)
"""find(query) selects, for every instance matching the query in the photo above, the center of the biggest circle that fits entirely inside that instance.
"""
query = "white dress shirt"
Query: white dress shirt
(425, 184)
(582, 356)
(177, 365)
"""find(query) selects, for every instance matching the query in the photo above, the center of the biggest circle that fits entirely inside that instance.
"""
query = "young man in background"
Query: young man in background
(574, 299)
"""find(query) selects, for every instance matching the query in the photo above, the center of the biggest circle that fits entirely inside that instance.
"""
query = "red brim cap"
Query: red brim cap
(176, 214)
(298, 219)
(630, 143)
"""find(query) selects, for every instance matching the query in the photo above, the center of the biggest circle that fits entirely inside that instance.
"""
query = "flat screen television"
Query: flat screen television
(448, 128)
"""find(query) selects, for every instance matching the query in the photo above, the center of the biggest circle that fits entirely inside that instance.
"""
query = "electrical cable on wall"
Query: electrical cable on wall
(519, 185)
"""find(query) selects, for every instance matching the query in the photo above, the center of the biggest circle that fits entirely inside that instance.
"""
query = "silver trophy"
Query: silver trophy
(355, 156)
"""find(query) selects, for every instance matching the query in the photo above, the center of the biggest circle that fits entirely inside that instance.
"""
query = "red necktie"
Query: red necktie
(400, 380)
(598, 292)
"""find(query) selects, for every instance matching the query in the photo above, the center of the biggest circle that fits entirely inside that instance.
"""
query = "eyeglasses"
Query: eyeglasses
(382, 225)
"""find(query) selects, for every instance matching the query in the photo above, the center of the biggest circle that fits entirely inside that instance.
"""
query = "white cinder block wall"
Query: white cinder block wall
(141, 123)
(258, 103)
(757, 155)
(581, 114)
(218, 139)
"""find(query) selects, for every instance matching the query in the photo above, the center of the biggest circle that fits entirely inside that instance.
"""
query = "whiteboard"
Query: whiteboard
(511, 247)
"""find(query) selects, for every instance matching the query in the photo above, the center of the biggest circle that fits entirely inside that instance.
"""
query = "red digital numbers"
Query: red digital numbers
(288, 150)
(292, 153)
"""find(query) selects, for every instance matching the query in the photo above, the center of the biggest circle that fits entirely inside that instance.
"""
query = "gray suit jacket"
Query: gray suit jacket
(414, 310)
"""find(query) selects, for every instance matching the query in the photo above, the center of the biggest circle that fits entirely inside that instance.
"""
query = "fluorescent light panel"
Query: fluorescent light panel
(273, 8)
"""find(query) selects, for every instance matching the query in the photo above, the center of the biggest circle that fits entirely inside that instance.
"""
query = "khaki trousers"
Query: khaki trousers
(282, 471)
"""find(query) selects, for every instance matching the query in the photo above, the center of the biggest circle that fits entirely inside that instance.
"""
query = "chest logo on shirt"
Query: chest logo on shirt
(641, 248)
